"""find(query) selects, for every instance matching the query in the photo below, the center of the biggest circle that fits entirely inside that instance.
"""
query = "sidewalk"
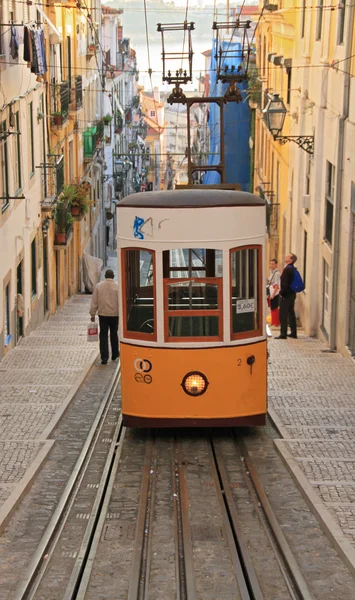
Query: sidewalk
(38, 380)
(312, 403)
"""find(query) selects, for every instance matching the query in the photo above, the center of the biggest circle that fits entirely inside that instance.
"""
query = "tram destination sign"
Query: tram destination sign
(245, 305)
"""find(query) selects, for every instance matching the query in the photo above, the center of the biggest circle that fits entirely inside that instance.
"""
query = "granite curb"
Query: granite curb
(316, 505)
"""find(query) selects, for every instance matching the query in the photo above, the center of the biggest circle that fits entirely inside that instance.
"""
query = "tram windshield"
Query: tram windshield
(245, 291)
(193, 293)
(139, 280)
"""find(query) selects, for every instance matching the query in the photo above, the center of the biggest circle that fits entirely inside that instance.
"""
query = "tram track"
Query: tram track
(34, 576)
(203, 484)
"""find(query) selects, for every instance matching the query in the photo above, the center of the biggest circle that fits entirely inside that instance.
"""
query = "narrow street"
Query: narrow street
(304, 457)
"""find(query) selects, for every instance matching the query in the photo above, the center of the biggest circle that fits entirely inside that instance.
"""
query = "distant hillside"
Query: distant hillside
(160, 12)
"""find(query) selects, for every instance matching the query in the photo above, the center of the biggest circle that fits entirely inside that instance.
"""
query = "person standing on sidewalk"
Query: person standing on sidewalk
(273, 291)
(104, 302)
(287, 300)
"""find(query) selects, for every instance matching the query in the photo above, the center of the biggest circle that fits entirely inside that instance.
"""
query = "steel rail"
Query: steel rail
(243, 552)
(85, 578)
(232, 532)
(80, 563)
(286, 552)
(34, 573)
(139, 575)
(183, 523)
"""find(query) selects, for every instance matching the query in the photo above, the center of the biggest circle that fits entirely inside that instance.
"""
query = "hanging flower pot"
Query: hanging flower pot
(60, 238)
(75, 210)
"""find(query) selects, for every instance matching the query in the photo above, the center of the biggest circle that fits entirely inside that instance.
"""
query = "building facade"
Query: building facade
(51, 158)
(306, 57)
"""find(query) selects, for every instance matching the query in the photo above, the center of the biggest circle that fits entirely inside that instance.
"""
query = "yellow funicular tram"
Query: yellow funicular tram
(192, 308)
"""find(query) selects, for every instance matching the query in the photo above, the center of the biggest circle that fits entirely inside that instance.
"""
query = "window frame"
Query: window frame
(3, 144)
(255, 332)
(135, 335)
(218, 281)
(31, 138)
(17, 150)
(303, 17)
(329, 199)
(319, 21)
(341, 24)
(34, 284)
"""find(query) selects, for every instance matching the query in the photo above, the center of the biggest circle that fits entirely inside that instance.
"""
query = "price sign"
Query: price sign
(246, 305)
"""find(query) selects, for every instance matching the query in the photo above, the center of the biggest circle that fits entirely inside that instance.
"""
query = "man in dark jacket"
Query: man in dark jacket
(287, 299)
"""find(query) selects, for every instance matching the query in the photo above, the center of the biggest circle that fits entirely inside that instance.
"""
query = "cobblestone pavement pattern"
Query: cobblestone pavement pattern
(37, 381)
(312, 403)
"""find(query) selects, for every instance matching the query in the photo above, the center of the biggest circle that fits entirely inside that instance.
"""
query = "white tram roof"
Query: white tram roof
(191, 199)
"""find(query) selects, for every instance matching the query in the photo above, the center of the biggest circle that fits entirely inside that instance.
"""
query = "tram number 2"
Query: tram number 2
(239, 362)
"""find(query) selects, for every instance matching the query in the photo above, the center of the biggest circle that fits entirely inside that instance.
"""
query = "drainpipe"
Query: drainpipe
(346, 99)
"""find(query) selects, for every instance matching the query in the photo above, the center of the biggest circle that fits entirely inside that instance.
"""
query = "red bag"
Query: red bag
(93, 332)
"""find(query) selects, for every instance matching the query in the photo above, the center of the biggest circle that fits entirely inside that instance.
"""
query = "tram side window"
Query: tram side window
(245, 288)
(139, 292)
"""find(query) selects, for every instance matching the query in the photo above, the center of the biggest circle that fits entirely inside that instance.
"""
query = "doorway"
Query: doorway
(45, 275)
(351, 339)
(20, 306)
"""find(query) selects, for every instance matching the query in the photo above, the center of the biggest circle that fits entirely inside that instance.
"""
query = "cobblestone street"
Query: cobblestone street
(312, 403)
(38, 380)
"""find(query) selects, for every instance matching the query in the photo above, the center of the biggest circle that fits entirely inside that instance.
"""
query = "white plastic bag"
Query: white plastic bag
(93, 332)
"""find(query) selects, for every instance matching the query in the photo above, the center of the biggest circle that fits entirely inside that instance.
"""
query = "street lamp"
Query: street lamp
(274, 116)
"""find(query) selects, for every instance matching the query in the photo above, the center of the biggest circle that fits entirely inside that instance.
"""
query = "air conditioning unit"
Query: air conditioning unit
(306, 202)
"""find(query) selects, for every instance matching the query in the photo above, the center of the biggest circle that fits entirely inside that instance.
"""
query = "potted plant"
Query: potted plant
(63, 220)
(80, 199)
(57, 118)
(107, 119)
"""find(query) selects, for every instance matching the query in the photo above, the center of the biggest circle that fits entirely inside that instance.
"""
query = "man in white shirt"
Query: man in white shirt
(104, 302)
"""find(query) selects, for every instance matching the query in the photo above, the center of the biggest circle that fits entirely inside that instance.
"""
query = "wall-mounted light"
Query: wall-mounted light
(274, 116)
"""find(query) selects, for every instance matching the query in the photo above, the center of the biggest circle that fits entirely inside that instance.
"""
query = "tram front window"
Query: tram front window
(193, 293)
(245, 287)
(139, 293)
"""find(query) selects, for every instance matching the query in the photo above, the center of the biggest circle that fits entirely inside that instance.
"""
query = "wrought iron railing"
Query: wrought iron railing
(53, 177)
(79, 91)
(60, 102)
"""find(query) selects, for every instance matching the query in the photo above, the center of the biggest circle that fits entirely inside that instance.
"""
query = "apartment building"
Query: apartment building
(125, 128)
(50, 137)
(305, 169)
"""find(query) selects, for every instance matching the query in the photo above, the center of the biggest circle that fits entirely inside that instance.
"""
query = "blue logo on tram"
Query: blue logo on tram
(137, 224)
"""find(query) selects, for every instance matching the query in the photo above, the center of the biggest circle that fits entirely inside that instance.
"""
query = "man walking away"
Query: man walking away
(287, 299)
(104, 302)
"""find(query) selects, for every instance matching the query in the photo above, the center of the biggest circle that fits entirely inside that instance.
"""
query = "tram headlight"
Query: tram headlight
(194, 383)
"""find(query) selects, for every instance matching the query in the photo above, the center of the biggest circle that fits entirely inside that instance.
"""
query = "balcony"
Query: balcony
(53, 179)
(92, 136)
(60, 103)
(76, 95)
